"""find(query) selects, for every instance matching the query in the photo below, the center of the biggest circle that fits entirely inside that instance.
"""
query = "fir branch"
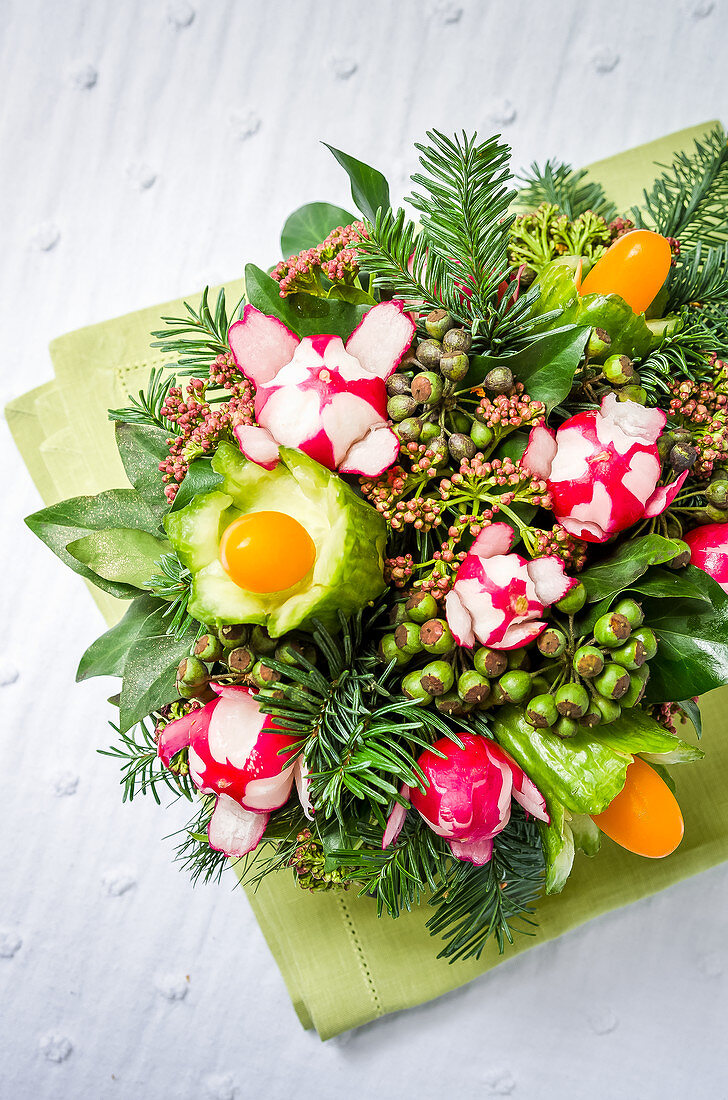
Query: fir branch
(686, 354)
(395, 255)
(147, 407)
(141, 768)
(477, 904)
(701, 277)
(464, 210)
(715, 320)
(560, 185)
(197, 339)
(690, 197)
(173, 584)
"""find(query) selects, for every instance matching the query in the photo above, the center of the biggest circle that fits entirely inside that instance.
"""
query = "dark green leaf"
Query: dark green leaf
(656, 582)
(107, 655)
(200, 478)
(310, 225)
(70, 520)
(369, 189)
(692, 654)
(629, 562)
(142, 448)
(119, 554)
(546, 367)
(150, 674)
(304, 314)
(691, 710)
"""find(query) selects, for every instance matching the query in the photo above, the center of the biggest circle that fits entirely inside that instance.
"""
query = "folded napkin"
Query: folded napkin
(342, 965)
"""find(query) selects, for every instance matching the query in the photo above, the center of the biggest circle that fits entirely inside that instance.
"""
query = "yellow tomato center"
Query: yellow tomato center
(266, 551)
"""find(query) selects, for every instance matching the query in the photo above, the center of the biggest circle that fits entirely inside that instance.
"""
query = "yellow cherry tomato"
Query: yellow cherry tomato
(644, 818)
(634, 267)
(266, 551)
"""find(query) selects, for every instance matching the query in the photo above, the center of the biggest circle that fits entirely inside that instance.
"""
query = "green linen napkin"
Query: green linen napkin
(342, 965)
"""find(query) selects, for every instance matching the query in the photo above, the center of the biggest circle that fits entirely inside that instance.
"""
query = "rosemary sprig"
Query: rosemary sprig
(141, 769)
(173, 584)
(196, 339)
(147, 407)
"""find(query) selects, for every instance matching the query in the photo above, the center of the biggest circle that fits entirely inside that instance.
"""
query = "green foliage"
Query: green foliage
(65, 523)
(701, 276)
(560, 185)
(146, 407)
(107, 655)
(196, 339)
(688, 200)
(141, 769)
(369, 188)
(685, 354)
(477, 904)
(193, 851)
(395, 255)
(200, 478)
(464, 209)
(311, 224)
(119, 554)
(142, 448)
(173, 584)
(359, 739)
(150, 674)
(304, 314)
(630, 561)
(546, 367)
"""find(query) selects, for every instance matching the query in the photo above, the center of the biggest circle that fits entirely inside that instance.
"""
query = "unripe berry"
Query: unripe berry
(609, 710)
(552, 642)
(401, 407)
(566, 727)
(572, 700)
(631, 610)
(515, 686)
(541, 712)
(457, 340)
(390, 651)
(473, 687)
(573, 601)
(436, 637)
(481, 435)
(438, 323)
(412, 689)
(619, 370)
(429, 353)
(454, 367)
(421, 606)
(437, 677)
(612, 682)
(648, 639)
(612, 629)
(397, 384)
(588, 662)
(407, 638)
(490, 662)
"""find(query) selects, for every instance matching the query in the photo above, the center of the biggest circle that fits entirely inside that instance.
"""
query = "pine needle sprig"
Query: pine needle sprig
(196, 339)
(700, 277)
(141, 769)
(560, 185)
(147, 407)
(690, 197)
(684, 355)
(193, 851)
(173, 584)
(464, 210)
(477, 904)
(394, 254)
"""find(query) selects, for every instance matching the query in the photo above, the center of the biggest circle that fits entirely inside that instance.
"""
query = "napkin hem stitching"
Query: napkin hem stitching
(361, 958)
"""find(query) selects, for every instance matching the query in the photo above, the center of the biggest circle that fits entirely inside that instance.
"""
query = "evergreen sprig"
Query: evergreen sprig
(688, 200)
(395, 255)
(560, 185)
(464, 211)
(685, 354)
(196, 339)
(359, 739)
(173, 584)
(193, 851)
(477, 904)
(700, 276)
(141, 769)
(147, 407)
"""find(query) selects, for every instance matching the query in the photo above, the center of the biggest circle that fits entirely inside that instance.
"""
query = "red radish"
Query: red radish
(468, 797)
(396, 819)
(709, 551)
(233, 830)
(498, 598)
(320, 397)
(602, 468)
(235, 752)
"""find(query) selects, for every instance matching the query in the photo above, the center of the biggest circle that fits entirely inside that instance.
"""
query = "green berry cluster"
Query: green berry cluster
(238, 653)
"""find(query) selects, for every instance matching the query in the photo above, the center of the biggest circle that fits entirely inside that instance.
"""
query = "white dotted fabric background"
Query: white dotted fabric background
(149, 147)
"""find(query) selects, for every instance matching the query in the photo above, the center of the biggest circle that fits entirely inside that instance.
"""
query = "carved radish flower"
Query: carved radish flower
(709, 551)
(602, 468)
(318, 396)
(468, 796)
(235, 753)
(498, 598)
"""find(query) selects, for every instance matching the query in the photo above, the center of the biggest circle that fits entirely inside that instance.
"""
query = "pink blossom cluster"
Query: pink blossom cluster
(510, 411)
(335, 258)
(398, 570)
(201, 426)
(559, 543)
(700, 405)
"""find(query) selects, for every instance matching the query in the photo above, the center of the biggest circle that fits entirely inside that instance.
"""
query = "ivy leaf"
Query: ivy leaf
(142, 448)
(107, 655)
(200, 478)
(546, 367)
(150, 674)
(691, 710)
(310, 225)
(304, 314)
(629, 562)
(692, 651)
(656, 582)
(369, 188)
(119, 554)
(70, 520)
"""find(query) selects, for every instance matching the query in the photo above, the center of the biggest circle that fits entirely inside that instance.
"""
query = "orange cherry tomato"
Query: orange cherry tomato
(634, 267)
(266, 551)
(644, 818)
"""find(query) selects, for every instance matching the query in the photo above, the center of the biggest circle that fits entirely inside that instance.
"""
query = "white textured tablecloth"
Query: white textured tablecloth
(149, 147)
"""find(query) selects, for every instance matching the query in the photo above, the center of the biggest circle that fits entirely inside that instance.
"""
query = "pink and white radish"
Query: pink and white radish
(467, 800)
(709, 551)
(237, 753)
(318, 396)
(602, 468)
(498, 598)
